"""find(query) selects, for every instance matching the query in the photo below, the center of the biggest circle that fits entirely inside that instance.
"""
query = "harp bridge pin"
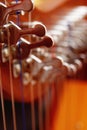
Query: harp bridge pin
(16, 69)
(26, 78)
(5, 54)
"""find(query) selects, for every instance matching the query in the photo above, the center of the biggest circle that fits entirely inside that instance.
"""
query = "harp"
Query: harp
(43, 64)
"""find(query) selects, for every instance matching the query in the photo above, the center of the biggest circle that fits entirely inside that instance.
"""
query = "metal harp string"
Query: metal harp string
(21, 76)
(11, 83)
(2, 99)
(2, 102)
(31, 84)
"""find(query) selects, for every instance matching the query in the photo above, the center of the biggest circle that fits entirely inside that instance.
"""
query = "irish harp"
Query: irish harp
(43, 64)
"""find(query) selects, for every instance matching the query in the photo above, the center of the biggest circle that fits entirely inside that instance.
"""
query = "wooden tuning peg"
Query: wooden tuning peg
(25, 5)
(23, 49)
(13, 32)
(50, 61)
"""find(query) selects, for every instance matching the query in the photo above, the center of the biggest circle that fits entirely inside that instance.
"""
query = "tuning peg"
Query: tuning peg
(54, 61)
(23, 50)
(78, 64)
(26, 66)
(13, 32)
(39, 63)
(44, 73)
(27, 78)
(38, 30)
(25, 5)
(16, 68)
(69, 69)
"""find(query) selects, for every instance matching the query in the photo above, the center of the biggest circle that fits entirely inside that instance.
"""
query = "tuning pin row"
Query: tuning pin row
(41, 64)
(38, 69)
(69, 23)
(71, 58)
(70, 41)
(20, 49)
(13, 44)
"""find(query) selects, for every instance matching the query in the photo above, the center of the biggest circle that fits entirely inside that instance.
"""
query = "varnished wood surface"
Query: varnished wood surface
(71, 111)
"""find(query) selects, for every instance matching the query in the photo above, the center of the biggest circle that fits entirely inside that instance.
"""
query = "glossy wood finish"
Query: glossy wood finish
(71, 111)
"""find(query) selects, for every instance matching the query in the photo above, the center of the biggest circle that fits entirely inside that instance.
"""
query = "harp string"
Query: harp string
(40, 107)
(32, 106)
(2, 102)
(33, 117)
(21, 77)
(47, 106)
(2, 99)
(11, 82)
(22, 94)
(40, 101)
